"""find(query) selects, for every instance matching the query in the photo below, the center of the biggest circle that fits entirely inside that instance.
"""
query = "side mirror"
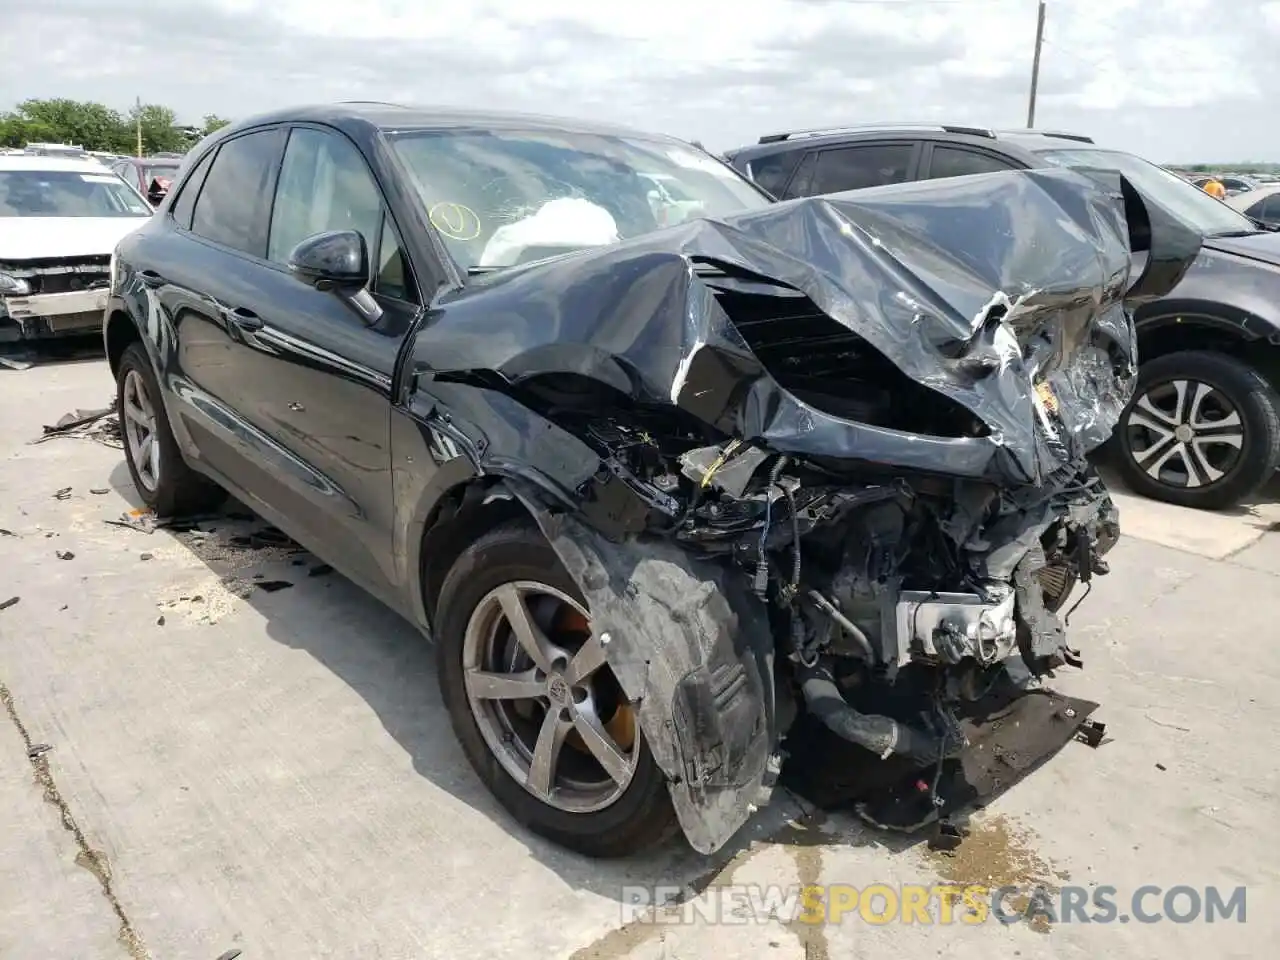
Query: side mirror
(337, 261)
(333, 260)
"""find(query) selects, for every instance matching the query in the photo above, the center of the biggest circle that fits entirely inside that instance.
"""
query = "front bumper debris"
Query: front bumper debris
(61, 298)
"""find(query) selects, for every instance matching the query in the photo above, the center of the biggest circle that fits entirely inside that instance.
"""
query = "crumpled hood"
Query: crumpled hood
(38, 238)
(980, 288)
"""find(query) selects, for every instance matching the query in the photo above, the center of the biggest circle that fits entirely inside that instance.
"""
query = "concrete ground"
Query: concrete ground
(273, 772)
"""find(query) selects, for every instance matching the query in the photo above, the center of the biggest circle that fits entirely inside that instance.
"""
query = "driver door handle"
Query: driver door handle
(244, 318)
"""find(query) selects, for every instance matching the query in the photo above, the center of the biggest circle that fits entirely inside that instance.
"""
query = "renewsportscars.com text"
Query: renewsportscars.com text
(881, 904)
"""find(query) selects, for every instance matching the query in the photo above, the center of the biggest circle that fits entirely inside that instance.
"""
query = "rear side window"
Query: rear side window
(186, 202)
(959, 162)
(852, 168)
(773, 170)
(234, 203)
(1270, 208)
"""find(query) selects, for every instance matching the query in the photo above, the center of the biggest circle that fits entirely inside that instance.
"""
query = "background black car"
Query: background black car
(1202, 429)
(150, 176)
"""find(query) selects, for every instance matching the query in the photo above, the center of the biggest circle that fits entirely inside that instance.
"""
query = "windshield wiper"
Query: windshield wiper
(481, 271)
(1228, 234)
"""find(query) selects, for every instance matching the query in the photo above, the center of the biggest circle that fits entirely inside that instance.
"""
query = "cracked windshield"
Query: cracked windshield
(502, 198)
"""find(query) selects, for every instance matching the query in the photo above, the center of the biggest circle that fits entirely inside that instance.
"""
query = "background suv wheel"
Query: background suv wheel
(1202, 430)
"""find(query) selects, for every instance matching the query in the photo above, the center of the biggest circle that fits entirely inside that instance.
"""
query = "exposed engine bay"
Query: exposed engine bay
(849, 479)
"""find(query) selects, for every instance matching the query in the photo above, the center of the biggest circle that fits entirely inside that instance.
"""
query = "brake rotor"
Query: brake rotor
(621, 723)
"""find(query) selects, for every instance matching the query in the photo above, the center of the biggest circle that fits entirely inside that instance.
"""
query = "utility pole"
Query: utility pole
(138, 107)
(1035, 67)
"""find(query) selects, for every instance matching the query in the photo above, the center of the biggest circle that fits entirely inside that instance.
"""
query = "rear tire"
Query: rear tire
(518, 557)
(1206, 423)
(160, 475)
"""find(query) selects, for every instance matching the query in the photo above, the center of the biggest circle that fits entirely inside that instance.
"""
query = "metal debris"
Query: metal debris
(38, 750)
(99, 491)
(6, 604)
(65, 555)
(63, 494)
(101, 424)
(145, 556)
(271, 586)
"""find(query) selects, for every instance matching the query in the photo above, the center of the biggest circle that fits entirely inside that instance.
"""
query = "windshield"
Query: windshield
(1209, 216)
(64, 193)
(672, 188)
(504, 197)
(165, 171)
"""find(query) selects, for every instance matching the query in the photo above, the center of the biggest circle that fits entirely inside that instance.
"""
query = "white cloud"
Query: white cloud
(1177, 79)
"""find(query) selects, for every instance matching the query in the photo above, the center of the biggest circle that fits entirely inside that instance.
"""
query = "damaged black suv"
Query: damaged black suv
(663, 467)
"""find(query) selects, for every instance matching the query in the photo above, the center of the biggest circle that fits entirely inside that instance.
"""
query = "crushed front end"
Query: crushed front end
(836, 455)
(52, 296)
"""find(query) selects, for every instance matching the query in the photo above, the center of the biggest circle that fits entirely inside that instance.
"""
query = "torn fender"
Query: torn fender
(693, 650)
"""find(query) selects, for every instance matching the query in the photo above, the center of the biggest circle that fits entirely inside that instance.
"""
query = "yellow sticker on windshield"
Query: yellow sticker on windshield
(456, 221)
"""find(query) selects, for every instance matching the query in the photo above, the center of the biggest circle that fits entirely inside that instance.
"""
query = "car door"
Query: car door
(870, 163)
(943, 160)
(315, 374)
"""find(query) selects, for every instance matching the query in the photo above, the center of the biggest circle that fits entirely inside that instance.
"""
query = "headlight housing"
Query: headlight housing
(13, 286)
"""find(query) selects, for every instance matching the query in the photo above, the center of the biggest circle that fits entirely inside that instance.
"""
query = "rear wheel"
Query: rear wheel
(535, 705)
(1202, 431)
(162, 478)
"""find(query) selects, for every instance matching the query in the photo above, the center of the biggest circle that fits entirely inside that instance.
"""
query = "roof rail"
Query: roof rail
(1060, 134)
(893, 125)
(375, 103)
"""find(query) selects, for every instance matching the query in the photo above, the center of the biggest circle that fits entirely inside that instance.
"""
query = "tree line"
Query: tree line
(96, 126)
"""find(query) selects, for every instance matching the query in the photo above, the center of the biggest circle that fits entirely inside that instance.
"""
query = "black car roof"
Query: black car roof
(391, 117)
(1032, 141)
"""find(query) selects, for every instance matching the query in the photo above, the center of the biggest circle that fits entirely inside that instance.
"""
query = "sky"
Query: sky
(1173, 80)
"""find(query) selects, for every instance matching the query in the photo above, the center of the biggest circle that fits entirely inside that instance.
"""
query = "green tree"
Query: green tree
(211, 123)
(160, 132)
(93, 126)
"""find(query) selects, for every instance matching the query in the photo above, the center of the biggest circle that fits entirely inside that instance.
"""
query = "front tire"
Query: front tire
(162, 478)
(1202, 431)
(535, 706)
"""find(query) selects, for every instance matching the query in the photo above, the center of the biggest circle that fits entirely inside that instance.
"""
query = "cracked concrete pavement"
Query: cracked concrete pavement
(273, 772)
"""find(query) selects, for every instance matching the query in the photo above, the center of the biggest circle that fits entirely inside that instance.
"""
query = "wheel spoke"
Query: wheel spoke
(1211, 473)
(1176, 450)
(586, 661)
(1162, 443)
(527, 633)
(1200, 392)
(153, 456)
(1232, 439)
(601, 745)
(1137, 419)
(546, 754)
(144, 453)
(1152, 410)
(504, 686)
(133, 412)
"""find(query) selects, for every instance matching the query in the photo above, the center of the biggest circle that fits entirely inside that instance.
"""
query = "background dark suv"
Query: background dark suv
(1202, 430)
